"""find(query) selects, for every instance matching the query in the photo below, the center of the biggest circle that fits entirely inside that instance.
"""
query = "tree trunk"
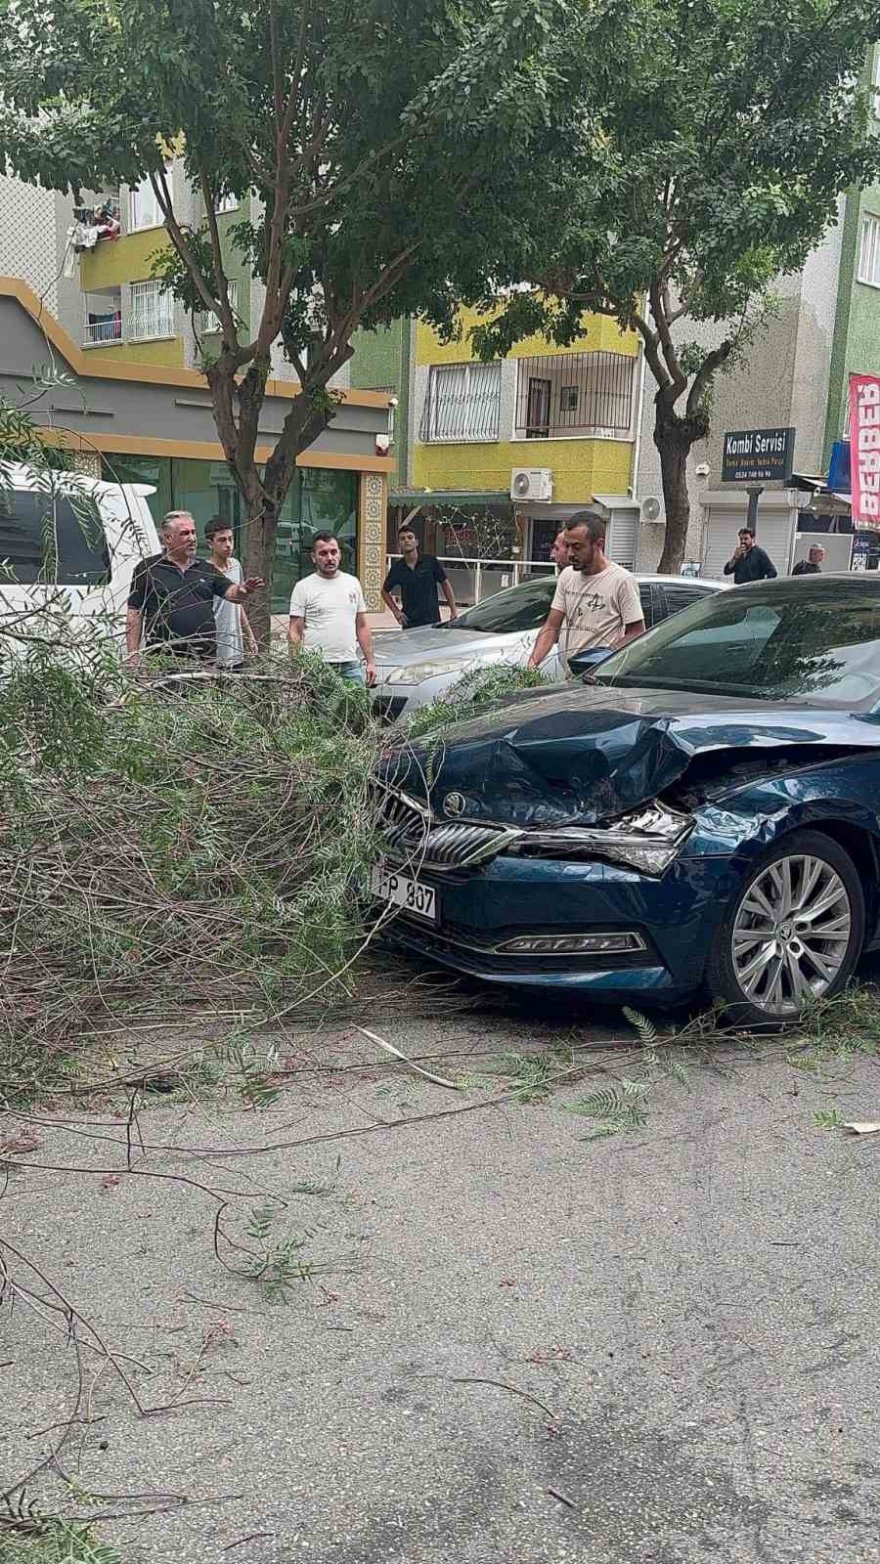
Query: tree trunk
(673, 438)
(260, 531)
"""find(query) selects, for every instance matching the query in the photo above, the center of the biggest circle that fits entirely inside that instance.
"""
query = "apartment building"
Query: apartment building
(76, 289)
(794, 375)
(502, 453)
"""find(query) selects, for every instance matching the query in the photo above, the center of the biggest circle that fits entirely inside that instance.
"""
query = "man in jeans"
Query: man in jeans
(328, 614)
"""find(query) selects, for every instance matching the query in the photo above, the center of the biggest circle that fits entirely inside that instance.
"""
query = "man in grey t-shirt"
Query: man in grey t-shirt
(234, 634)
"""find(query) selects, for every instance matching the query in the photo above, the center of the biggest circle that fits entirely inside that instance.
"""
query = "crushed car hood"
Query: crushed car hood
(589, 755)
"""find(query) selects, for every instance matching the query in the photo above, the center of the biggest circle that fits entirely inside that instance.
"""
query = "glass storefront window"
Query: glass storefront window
(319, 500)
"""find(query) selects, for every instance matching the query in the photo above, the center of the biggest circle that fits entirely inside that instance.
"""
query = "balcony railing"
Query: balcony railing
(103, 328)
(566, 395)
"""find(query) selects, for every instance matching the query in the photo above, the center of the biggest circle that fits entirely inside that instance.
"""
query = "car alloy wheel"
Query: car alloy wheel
(793, 932)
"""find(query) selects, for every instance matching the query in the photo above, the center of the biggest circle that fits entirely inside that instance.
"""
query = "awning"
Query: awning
(461, 497)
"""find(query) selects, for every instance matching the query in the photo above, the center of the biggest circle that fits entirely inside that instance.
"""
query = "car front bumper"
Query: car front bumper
(676, 916)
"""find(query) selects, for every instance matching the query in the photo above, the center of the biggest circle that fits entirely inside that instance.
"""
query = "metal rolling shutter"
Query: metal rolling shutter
(623, 537)
(774, 535)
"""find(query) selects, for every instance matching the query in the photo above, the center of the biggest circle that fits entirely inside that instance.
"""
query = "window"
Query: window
(869, 251)
(563, 395)
(52, 538)
(143, 208)
(210, 324)
(463, 402)
(152, 311)
(523, 607)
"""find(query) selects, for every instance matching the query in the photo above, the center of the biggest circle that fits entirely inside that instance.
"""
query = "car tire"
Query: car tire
(765, 965)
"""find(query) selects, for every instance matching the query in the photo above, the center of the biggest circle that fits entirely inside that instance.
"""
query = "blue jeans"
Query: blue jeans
(353, 672)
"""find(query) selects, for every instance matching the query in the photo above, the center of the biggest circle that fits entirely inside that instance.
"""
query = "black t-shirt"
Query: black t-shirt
(178, 605)
(756, 565)
(418, 588)
(805, 567)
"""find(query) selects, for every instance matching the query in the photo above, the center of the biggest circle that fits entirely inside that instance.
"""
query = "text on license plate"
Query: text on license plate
(404, 892)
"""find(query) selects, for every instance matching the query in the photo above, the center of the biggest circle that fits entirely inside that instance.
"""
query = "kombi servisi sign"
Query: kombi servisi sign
(757, 455)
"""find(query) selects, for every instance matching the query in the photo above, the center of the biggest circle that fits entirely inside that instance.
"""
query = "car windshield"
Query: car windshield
(522, 607)
(807, 640)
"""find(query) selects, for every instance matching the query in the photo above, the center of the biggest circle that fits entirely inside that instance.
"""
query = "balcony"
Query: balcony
(103, 318)
(563, 396)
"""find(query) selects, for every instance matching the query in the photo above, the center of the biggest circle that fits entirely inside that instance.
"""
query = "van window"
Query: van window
(52, 538)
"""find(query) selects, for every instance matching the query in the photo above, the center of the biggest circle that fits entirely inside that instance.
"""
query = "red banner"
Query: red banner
(864, 436)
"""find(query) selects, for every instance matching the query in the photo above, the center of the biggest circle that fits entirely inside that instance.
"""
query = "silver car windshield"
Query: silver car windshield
(793, 641)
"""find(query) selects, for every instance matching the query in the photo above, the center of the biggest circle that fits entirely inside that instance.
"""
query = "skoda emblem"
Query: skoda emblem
(455, 804)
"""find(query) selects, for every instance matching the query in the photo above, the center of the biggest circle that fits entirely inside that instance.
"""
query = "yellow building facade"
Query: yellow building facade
(534, 437)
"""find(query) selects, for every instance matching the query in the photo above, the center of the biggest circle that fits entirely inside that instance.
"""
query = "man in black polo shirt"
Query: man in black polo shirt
(418, 577)
(171, 602)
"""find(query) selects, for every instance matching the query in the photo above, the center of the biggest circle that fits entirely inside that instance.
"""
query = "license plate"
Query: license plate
(388, 885)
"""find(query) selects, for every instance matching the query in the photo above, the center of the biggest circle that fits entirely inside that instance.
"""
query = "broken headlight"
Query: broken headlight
(649, 839)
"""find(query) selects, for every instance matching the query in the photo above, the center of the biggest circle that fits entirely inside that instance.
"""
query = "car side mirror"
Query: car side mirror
(586, 661)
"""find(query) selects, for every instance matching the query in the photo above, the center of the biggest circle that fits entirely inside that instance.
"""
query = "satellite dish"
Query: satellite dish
(651, 508)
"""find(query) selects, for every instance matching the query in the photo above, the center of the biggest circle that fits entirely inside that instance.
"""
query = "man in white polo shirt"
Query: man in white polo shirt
(596, 602)
(328, 614)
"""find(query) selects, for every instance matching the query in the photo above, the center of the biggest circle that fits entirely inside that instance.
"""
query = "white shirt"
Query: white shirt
(329, 606)
(597, 609)
(227, 622)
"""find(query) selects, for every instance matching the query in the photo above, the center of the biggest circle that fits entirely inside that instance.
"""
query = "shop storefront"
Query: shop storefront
(140, 423)
(319, 500)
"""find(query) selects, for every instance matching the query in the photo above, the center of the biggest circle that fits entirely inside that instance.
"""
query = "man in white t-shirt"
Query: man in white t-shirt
(234, 634)
(596, 602)
(328, 614)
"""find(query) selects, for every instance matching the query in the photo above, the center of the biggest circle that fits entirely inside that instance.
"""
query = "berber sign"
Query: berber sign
(864, 437)
(757, 455)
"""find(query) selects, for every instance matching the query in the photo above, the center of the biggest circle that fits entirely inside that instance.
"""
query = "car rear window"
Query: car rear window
(522, 607)
(53, 538)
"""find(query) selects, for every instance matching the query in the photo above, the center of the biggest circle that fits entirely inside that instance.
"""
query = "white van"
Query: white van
(68, 547)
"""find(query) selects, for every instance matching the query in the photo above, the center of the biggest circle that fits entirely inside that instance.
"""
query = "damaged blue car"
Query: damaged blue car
(702, 813)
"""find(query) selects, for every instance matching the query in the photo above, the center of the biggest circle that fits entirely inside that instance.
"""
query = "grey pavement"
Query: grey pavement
(528, 1346)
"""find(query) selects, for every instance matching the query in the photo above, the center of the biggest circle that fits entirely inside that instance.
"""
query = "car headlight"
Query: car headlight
(419, 672)
(650, 839)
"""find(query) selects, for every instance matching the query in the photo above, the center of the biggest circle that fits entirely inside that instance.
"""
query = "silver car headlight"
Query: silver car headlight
(419, 672)
(649, 839)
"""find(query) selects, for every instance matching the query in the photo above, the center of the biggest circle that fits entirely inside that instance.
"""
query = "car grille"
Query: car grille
(410, 835)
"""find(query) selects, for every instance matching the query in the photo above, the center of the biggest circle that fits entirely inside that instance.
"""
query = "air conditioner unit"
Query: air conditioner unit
(651, 509)
(531, 483)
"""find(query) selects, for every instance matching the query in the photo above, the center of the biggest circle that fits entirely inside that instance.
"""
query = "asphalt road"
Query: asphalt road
(529, 1346)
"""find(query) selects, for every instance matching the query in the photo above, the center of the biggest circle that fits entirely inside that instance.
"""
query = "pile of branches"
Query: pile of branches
(176, 844)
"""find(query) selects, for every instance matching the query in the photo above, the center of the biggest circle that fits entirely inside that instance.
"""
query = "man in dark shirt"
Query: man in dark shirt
(417, 576)
(749, 563)
(171, 602)
(812, 565)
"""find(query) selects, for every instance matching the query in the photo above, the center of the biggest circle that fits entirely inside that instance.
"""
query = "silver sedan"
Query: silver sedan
(414, 667)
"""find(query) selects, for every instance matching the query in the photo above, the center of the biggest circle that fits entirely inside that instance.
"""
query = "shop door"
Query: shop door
(774, 535)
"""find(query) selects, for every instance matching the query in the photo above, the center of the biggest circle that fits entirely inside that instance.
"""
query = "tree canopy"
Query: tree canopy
(377, 139)
(729, 129)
